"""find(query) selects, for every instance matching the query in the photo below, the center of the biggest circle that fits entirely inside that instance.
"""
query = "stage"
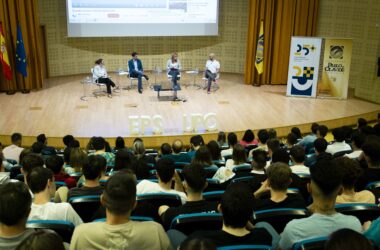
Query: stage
(57, 110)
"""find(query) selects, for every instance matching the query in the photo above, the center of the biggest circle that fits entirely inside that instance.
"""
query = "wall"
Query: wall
(359, 20)
(68, 56)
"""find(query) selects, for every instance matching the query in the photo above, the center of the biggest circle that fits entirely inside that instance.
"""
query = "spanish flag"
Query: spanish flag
(4, 56)
(260, 50)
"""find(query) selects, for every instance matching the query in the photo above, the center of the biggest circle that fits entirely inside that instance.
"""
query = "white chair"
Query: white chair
(102, 86)
(131, 79)
(214, 85)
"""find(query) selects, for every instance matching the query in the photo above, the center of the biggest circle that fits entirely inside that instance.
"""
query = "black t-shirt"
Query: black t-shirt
(84, 191)
(292, 201)
(253, 184)
(188, 208)
(368, 175)
(258, 236)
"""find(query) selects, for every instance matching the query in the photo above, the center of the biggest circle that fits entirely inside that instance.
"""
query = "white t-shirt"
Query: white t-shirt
(55, 211)
(173, 65)
(226, 152)
(337, 147)
(300, 169)
(223, 174)
(213, 66)
(354, 155)
(99, 71)
(12, 152)
(146, 187)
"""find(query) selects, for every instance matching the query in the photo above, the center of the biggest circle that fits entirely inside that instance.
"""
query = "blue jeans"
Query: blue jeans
(138, 75)
(175, 76)
(210, 77)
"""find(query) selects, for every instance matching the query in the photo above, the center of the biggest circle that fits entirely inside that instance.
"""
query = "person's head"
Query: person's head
(314, 128)
(16, 139)
(362, 122)
(119, 143)
(248, 136)
(211, 56)
(166, 149)
(297, 154)
(221, 137)
(196, 141)
(42, 139)
(93, 167)
(263, 136)
(202, 156)
(195, 178)
(291, 139)
(322, 131)
(107, 147)
(41, 180)
(24, 152)
(174, 57)
(320, 145)
(326, 180)
(348, 131)
(232, 139)
(165, 169)
(339, 134)
(236, 205)
(297, 132)
(351, 172)
(239, 155)
(197, 244)
(214, 149)
(15, 203)
(77, 159)
(134, 55)
(74, 144)
(67, 139)
(40, 240)
(37, 147)
(367, 130)
(139, 149)
(272, 133)
(358, 140)
(279, 176)
(98, 143)
(280, 155)
(123, 159)
(259, 159)
(99, 61)
(54, 163)
(119, 196)
(348, 239)
(273, 145)
(371, 150)
(31, 161)
(177, 146)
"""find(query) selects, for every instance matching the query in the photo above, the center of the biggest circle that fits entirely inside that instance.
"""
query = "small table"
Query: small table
(86, 81)
(195, 74)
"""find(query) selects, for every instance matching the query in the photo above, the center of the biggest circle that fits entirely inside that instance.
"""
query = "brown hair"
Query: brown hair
(279, 176)
(99, 61)
(173, 57)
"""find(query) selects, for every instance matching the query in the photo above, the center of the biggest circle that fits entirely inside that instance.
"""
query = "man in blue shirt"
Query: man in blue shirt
(136, 70)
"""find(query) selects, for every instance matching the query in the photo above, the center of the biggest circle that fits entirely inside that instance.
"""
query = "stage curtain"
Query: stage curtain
(26, 13)
(282, 20)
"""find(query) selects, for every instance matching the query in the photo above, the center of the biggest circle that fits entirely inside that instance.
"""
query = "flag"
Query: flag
(4, 56)
(260, 50)
(20, 53)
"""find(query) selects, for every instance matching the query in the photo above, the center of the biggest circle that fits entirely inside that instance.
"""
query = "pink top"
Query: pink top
(244, 143)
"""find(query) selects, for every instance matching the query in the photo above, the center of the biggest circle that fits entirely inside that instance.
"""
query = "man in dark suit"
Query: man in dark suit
(136, 70)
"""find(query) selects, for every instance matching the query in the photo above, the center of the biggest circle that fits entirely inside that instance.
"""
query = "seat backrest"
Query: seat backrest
(213, 195)
(242, 168)
(148, 204)
(219, 163)
(189, 223)
(246, 247)
(279, 217)
(363, 211)
(15, 171)
(242, 179)
(310, 244)
(213, 185)
(181, 165)
(59, 184)
(63, 228)
(373, 185)
(210, 171)
(85, 206)
(341, 153)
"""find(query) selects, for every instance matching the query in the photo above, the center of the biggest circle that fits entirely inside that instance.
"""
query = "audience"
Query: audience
(320, 146)
(99, 145)
(348, 239)
(55, 164)
(119, 231)
(239, 157)
(357, 142)
(259, 162)
(215, 151)
(222, 139)
(307, 141)
(371, 151)
(339, 145)
(197, 244)
(29, 162)
(166, 149)
(13, 151)
(272, 133)
(297, 132)
(46, 150)
(119, 144)
(248, 138)
(139, 151)
(263, 137)
(40, 240)
(178, 154)
(203, 157)
(196, 142)
(322, 131)
(273, 145)
(76, 159)
(4, 176)
(67, 139)
(232, 140)
(297, 156)
(291, 140)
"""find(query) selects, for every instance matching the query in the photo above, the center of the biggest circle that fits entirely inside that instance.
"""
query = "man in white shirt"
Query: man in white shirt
(339, 145)
(357, 142)
(13, 151)
(212, 70)
(41, 183)
(166, 174)
(297, 155)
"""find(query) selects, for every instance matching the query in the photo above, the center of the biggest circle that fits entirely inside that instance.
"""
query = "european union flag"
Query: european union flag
(20, 53)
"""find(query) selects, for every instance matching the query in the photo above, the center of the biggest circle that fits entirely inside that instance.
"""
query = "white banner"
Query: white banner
(303, 71)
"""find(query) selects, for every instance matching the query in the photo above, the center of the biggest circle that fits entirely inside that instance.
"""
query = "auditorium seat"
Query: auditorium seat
(279, 217)
(213, 195)
(11, 161)
(189, 223)
(363, 211)
(213, 185)
(210, 171)
(246, 247)
(373, 185)
(242, 179)
(219, 163)
(63, 228)
(15, 171)
(242, 168)
(341, 153)
(311, 244)
(59, 184)
(148, 204)
(85, 206)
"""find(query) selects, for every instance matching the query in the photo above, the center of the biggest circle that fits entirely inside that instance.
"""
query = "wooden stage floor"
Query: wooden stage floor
(57, 110)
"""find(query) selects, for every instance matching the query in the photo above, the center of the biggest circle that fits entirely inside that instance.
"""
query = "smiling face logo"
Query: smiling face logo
(302, 80)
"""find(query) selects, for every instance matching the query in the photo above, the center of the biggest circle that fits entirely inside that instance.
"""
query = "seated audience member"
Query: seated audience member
(222, 139)
(373, 232)
(29, 162)
(348, 239)
(165, 175)
(119, 144)
(297, 156)
(92, 171)
(297, 132)
(41, 183)
(322, 131)
(376, 128)
(67, 139)
(13, 151)
(263, 137)
(178, 154)
(326, 184)
(37, 148)
(197, 244)
(320, 146)
(15, 202)
(273, 145)
(291, 140)
(42, 239)
(124, 159)
(47, 150)
(55, 164)
(361, 123)
(4, 176)
(371, 152)
(194, 184)
(307, 141)
(248, 138)
(237, 208)
(215, 151)
(272, 134)
(139, 151)
(357, 142)
(77, 157)
(99, 145)
(202, 157)
(166, 149)
(238, 157)
(279, 179)
(259, 162)
(351, 171)
(119, 231)
(196, 142)
(232, 140)
(339, 145)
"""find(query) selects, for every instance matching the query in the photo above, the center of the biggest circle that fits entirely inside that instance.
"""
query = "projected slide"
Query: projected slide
(142, 17)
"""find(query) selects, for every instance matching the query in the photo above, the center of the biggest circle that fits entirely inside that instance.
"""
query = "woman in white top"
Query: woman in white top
(100, 76)
(173, 67)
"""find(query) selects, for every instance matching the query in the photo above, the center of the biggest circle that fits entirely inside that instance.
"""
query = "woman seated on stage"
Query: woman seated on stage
(173, 68)
(100, 76)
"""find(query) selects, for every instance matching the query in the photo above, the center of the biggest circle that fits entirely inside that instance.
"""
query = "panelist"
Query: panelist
(100, 75)
(173, 67)
(212, 70)
(136, 70)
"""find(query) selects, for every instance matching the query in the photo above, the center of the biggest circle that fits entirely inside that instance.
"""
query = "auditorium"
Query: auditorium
(189, 124)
